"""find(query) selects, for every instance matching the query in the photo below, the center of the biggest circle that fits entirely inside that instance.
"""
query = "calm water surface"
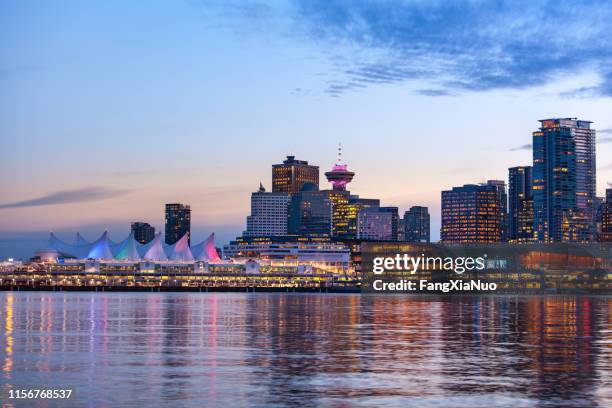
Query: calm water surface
(225, 350)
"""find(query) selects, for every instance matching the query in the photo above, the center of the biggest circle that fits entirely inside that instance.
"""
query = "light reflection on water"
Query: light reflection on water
(139, 349)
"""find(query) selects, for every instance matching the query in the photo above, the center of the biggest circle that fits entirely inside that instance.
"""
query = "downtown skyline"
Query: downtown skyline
(192, 102)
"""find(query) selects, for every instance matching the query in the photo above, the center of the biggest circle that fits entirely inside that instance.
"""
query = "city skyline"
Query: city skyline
(192, 102)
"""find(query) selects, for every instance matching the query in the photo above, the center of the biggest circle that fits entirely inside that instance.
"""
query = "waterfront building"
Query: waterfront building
(564, 180)
(317, 252)
(310, 212)
(520, 204)
(178, 222)
(143, 232)
(291, 175)
(471, 214)
(269, 213)
(605, 234)
(417, 224)
(503, 201)
(375, 224)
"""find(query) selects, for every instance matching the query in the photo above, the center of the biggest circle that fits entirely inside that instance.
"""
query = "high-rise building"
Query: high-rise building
(291, 175)
(401, 229)
(345, 215)
(269, 214)
(394, 211)
(605, 234)
(503, 200)
(520, 204)
(417, 224)
(178, 222)
(470, 214)
(310, 212)
(564, 180)
(143, 232)
(375, 224)
(339, 176)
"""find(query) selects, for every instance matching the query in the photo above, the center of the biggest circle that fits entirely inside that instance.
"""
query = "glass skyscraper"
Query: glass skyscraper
(564, 180)
(471, 214)
(310, 212)
(416, 224)
(178, 222)
(520, 204)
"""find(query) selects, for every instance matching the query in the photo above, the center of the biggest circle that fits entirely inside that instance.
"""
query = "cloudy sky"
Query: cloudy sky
(110, 109)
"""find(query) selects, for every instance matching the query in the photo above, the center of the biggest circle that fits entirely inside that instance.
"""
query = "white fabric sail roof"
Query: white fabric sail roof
(206, 250)
(156, 250)
(67, 250)
(101, 248)
(181, 250)
(128, 249)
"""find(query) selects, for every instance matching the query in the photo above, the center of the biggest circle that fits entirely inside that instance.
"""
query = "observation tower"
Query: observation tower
(340, 175)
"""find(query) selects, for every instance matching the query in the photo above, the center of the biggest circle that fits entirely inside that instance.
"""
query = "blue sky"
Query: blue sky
(110, 109)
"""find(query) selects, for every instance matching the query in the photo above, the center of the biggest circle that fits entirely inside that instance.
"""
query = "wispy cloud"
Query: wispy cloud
(463, 45)
(68, 197)
(527, 146)
(606, 131)
(434, 92)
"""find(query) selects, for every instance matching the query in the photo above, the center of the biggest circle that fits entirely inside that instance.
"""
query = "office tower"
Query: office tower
(345, 215)
(339, 176)
(178, 222)
(310, 212)
(598, 208)
(143, 232)
(417, 224)
(375, 224)
(605, 234)
(564, 180)
(394, 211)
(401, 229)
(520, 204)
(471, 214)
(269, 213)
(292, 174)
(503, 200)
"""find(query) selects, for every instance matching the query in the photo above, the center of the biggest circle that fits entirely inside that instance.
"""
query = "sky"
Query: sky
(110, 109)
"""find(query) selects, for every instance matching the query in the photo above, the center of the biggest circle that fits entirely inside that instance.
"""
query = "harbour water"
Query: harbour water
(303, 350)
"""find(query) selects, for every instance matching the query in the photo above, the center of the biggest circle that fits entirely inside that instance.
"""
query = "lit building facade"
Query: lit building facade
(143, 232)
(503, 202)
(417, 224)
(178, 222)
(520, 204)
(394, 211)
(605, 234)
(471, 214)
(373, 224)
(269, 214)
(564, 180)
(291, 175)
(345, 215)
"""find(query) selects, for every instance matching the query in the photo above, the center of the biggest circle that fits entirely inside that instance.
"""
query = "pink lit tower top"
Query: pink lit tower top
(340, 175)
